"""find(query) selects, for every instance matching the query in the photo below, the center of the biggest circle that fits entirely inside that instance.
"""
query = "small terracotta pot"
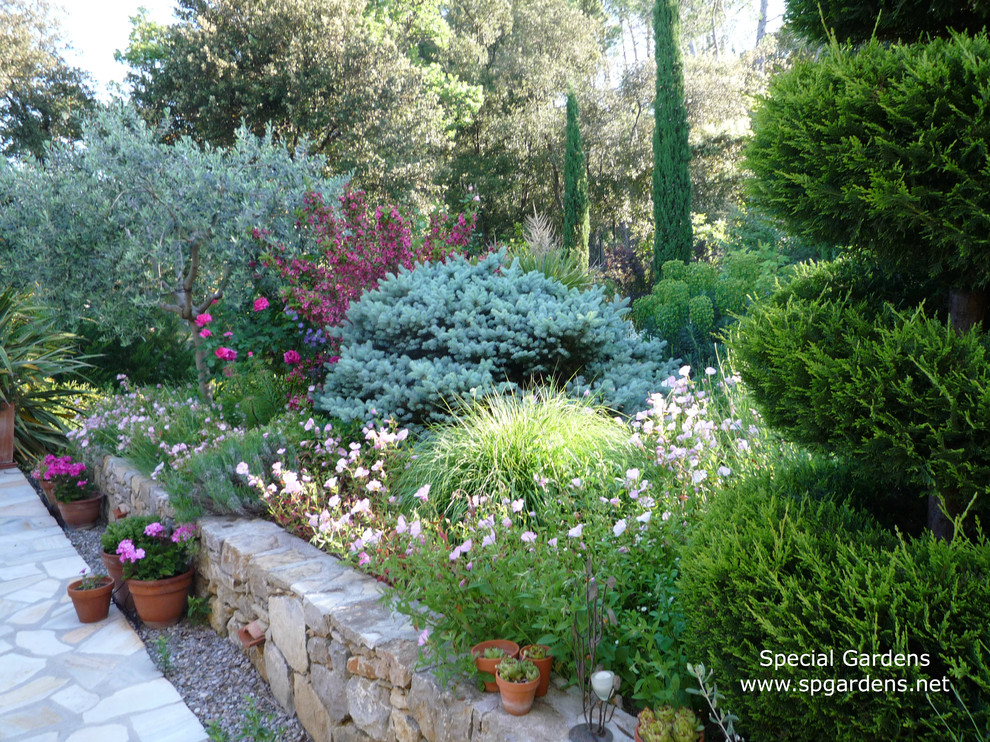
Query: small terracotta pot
(487, 664)
(91, 605)
(517, 698)
(544, 666)
(81, 513)
(115, 568)
(48, 488)
(160, 603)
(251, 635)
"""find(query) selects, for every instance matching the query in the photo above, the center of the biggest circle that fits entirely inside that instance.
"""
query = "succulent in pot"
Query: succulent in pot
(667, 724)
(539, 655)
(517, 682)
(487, 656)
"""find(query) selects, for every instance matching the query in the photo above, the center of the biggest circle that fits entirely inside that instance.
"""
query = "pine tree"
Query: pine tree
(577, 228)
(671, 152)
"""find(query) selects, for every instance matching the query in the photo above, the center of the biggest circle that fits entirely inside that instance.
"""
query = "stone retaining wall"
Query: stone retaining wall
(333, 654)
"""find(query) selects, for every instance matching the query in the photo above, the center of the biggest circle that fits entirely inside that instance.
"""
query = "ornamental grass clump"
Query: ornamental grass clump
(530, 448)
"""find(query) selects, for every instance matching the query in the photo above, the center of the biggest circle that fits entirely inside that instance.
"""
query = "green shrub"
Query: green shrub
(161, 356)
(891, 20)
(425, 337)
(896, 390)
(770, 569)
(885, 149)
(36, 361)
(528, 448)
(693, 302)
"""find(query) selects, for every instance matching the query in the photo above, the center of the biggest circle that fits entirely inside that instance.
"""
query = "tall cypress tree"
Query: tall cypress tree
(671, 151)
(577, 228)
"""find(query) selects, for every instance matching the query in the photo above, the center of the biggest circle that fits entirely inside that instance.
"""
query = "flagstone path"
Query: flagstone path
(61, 680)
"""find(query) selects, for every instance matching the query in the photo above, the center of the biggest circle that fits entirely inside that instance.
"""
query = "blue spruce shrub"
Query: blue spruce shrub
(428, 336)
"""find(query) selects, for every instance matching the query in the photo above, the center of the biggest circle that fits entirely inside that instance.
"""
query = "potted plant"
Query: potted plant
(35, 401)
(158, 571)
(91, 597)
(517, 683)
(488, 654)
(113, 534)
(667, 724)
(76, 496)
(539, 655)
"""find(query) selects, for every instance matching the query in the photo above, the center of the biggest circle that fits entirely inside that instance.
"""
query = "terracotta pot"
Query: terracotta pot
(544, 666)
(160, 603)
(81, 513)
(251, 635)
(701, 734)
(486, 664)
(115, 568)
(91, 605)
(517, 698)
(7, 415)
(49, 489)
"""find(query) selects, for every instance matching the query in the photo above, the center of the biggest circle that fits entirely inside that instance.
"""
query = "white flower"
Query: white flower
(724, 471)
(619, 528)
(576, 531)
(242, 469)
(699, 476)
(645, 517)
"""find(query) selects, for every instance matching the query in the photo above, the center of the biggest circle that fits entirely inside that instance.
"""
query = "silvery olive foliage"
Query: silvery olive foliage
(121, 226)
(441, 331)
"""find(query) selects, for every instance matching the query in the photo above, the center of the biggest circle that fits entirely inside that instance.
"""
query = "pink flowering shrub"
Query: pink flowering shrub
(353, 249)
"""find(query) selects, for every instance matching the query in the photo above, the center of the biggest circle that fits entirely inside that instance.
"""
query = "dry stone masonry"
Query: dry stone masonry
(334, 655)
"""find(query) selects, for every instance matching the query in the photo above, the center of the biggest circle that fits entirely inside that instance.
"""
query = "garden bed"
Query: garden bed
(333, 654)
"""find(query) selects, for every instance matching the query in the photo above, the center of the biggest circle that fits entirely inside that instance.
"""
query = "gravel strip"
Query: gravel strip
(212, 674)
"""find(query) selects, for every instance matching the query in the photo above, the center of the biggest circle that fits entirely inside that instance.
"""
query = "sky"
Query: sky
(95, 28)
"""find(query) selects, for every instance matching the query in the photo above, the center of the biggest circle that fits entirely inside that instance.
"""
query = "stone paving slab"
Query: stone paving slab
(61, 680)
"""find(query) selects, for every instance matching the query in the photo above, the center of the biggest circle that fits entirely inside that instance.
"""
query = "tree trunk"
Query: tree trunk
(202, 372)
(966, 310)
(761, 24)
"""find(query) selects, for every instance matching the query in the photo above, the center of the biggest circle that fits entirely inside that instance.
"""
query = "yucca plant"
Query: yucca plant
(34, 359)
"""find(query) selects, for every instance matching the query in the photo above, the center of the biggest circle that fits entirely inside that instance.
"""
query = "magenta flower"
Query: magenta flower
(154, 529)
(183, 533)
(203, 319)
(424, 637)
(291, 357)
(205, 333)
(260, 304)
(127, 551)
(225, 354)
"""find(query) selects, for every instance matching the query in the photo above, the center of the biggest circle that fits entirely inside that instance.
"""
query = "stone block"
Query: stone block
(331, 688)
(399, 657)
(443, 716)
(311, 712)
(405, 727)
(367, 703)
(318, 649)
(398, 699)
(363, 666)
(279, 677)
(288, 630)
(351, 733)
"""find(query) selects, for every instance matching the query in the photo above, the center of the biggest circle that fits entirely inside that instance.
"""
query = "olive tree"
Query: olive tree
(123, 227)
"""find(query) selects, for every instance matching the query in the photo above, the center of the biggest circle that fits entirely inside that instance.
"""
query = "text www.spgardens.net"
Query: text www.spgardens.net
(831, 686)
